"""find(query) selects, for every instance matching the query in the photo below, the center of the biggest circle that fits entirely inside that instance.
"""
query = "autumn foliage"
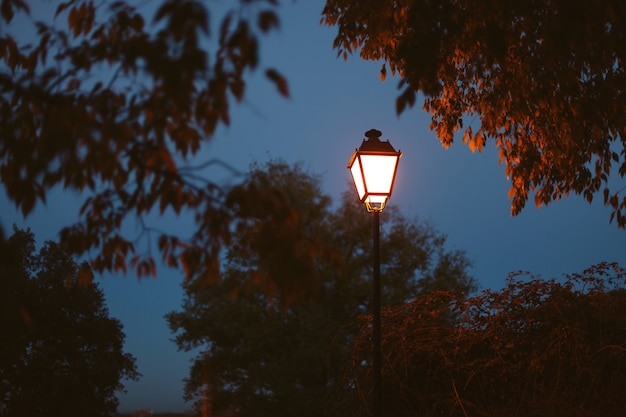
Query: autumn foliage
(113, 101)
(534, 348)
(542, 80)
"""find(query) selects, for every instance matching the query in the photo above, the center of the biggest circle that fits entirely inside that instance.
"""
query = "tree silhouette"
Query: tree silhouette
(61, 353)
(260, 357)
(535, 348)
(543, 80)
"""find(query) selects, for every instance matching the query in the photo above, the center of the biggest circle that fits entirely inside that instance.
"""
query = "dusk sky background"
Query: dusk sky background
(333, 103)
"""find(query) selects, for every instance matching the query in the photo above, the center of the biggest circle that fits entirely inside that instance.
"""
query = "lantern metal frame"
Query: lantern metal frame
(374, 196)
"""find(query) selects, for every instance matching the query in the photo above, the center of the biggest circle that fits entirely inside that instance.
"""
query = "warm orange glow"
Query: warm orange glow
(357, 176)
(373, 169)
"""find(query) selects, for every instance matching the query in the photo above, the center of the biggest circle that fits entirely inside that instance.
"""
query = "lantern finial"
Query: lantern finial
(373, 134)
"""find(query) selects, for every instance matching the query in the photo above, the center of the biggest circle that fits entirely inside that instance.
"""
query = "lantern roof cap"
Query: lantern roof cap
(374, 144)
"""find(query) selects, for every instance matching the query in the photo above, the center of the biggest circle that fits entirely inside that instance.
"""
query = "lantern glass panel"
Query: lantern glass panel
(379, 171)
(355, 169)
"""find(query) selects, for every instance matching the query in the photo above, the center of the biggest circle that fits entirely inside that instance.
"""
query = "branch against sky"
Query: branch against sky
(543, 80)
(114, 101)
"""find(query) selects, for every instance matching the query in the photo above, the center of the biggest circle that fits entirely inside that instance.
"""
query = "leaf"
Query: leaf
(237, 87)
(279, 81)
(137, 23)
(268, 20)
(406, 98)
(7, 10)
(120, 263)
(61, 8)
(467, 135)
(539, 198)
(512, 192)
(88, 18)
(28, 202)
(167, 160)
(72, 21)
(477, 142)
(164, 201)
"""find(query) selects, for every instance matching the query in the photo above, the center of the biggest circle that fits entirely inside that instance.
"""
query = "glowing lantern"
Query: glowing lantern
(373, 167)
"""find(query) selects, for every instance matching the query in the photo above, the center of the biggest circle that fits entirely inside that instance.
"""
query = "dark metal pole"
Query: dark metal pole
(376, 307)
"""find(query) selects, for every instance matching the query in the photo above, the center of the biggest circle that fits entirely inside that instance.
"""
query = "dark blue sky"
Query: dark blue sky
(332, 104)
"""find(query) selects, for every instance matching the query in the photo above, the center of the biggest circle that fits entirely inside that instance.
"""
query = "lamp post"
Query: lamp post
(373, 167)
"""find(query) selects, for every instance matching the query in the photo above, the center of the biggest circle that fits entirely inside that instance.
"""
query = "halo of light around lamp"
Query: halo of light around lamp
(373, 167)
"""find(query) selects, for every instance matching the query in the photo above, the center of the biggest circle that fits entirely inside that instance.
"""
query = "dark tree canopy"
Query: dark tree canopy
(257, 357)
(535, 348)
(61, 354)
(113, 101)
(545, 80)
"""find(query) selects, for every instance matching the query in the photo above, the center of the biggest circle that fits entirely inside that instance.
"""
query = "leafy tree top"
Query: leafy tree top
(282, 357)
(61, 354)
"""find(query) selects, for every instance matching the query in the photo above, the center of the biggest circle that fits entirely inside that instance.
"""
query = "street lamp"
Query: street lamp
(373, 167)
